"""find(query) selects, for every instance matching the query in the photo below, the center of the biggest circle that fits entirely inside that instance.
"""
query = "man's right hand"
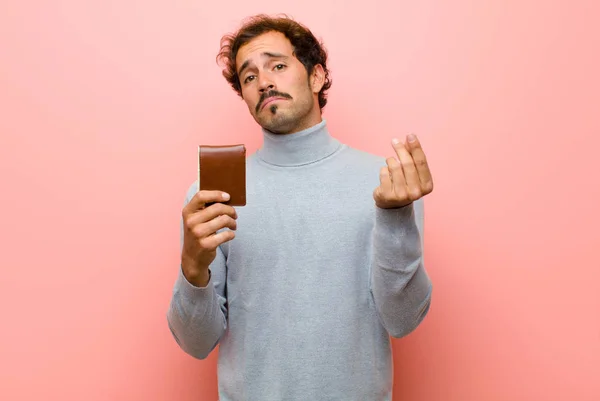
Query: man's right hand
(200, 241)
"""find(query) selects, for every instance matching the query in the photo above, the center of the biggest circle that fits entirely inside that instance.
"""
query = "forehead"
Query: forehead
(270, 42)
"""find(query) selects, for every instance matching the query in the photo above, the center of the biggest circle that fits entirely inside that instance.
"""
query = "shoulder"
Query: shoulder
(364, 155)
(191, 191)
(361, 159)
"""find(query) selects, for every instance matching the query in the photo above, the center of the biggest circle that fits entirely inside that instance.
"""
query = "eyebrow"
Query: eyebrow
(246, 63)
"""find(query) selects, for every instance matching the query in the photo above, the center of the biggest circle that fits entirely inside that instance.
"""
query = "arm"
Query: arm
(197, 314)
(400, 285)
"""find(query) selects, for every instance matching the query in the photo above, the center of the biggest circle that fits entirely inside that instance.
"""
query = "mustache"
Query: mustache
(269, 94)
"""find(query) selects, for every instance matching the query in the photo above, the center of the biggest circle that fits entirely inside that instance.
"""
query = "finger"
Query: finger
(411, 176)
(214, 225)
(420, 160)
(218, 209)
(201, 198)
(211, 212)
(398, 180)
(213, 241)
(385, 183)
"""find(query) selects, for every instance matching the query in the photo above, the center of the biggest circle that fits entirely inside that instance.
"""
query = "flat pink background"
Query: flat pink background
(103, 103)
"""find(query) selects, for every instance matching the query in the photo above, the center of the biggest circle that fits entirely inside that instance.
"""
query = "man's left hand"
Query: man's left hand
(405, 179)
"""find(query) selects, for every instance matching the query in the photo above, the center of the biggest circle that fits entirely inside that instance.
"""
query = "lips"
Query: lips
(270, 100)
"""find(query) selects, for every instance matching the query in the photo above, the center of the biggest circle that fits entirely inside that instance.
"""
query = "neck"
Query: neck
(303, 147)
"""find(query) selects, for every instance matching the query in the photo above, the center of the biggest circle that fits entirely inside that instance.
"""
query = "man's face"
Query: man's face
(275, 85)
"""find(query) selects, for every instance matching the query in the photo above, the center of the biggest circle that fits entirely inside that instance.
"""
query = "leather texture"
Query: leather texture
(223, 168)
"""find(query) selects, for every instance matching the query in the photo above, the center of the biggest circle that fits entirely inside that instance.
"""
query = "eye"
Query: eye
(248, 78)
(280, 66)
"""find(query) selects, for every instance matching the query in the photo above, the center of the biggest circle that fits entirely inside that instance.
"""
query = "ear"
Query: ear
(317, 78)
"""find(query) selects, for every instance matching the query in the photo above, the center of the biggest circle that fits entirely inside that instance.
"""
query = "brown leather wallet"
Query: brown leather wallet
(223, 168)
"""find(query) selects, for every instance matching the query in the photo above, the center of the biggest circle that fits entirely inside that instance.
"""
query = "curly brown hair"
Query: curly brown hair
(307, 49)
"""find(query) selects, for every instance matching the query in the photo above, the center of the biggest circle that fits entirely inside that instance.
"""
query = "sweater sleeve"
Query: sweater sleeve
(400, 285)
(197, 316)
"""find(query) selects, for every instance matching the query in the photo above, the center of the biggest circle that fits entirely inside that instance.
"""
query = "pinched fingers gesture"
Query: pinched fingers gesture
(406, 178)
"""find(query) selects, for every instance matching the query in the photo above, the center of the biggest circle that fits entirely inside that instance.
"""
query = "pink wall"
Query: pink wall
(104, 102)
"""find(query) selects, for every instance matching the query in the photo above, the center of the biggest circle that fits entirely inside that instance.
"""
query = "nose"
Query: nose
(265, 84)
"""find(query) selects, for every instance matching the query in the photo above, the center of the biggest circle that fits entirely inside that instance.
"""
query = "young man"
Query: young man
(303, 287)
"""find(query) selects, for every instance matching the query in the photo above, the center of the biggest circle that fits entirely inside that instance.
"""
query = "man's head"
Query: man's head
(280, 70)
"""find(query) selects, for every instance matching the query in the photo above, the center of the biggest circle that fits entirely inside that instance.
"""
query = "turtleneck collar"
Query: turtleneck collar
(302, 147)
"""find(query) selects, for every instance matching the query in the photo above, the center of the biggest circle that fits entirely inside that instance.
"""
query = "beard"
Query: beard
(288, 116)
(285, 117)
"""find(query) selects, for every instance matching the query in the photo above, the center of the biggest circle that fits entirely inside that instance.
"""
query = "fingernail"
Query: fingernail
(226, 196)
(412, 138)
(395, 141)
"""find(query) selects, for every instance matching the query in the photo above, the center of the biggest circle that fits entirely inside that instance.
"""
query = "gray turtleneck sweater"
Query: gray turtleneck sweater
(302, 303)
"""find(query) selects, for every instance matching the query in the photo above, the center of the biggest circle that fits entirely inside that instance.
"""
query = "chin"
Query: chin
(281, 123)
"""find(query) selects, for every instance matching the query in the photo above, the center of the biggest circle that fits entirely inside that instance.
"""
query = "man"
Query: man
(303, 287)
